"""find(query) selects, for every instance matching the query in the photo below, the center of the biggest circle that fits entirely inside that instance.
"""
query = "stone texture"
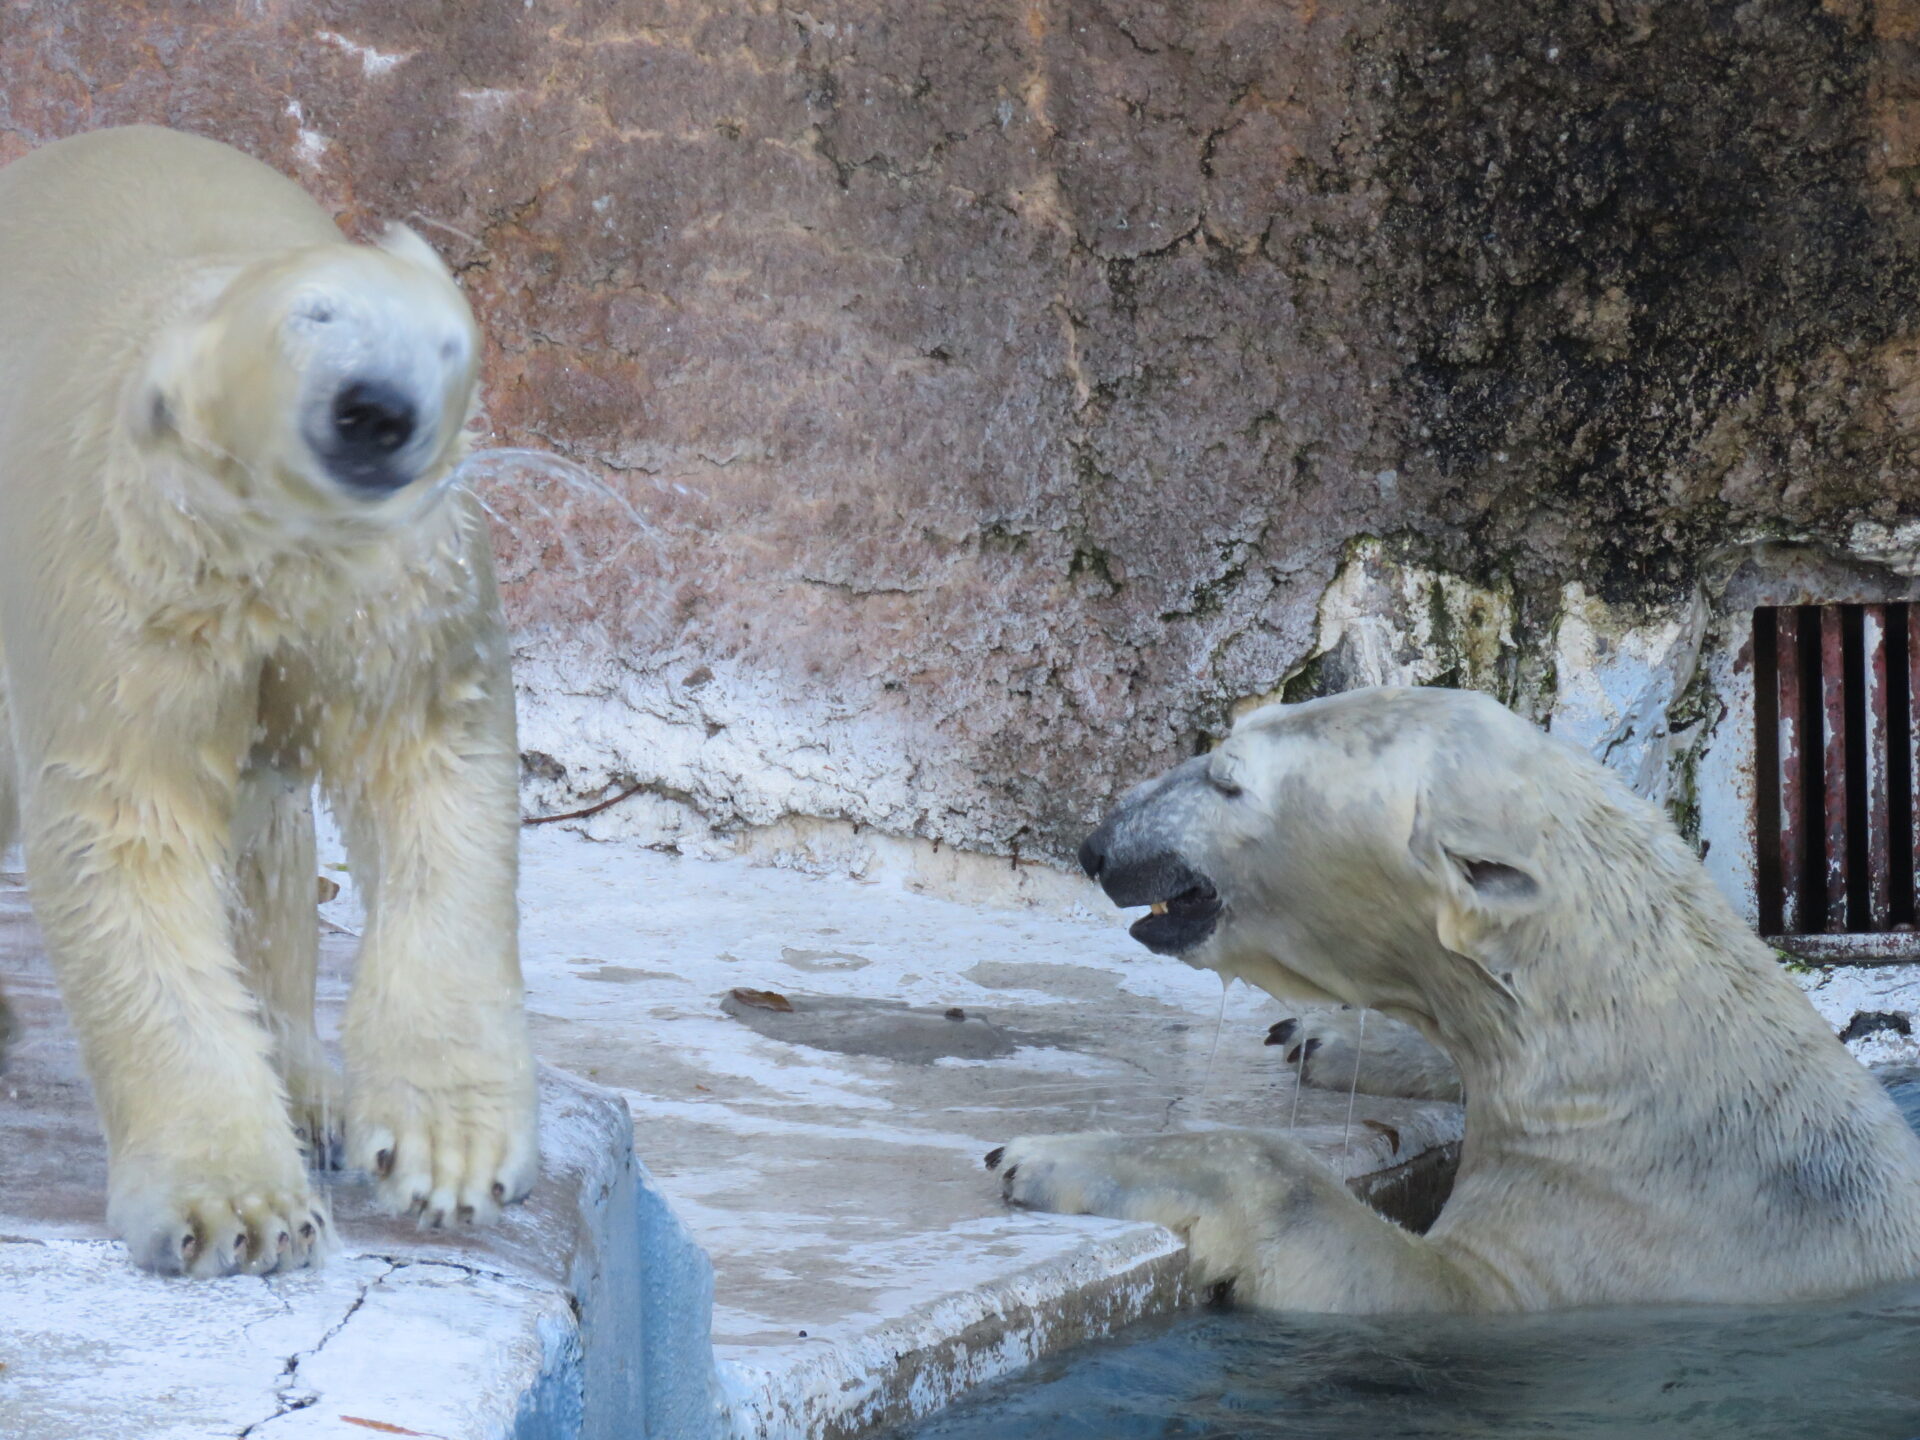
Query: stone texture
(989, 391)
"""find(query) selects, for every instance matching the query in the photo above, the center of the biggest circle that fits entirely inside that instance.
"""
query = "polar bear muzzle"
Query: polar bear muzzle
(1131, 857)
(368, 427)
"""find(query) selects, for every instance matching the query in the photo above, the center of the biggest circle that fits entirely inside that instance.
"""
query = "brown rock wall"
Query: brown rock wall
(998, 384)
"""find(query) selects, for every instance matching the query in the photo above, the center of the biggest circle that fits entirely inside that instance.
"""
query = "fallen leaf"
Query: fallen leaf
(1393, 1135)
(329, 889)
(385, 1429)
(761, 999)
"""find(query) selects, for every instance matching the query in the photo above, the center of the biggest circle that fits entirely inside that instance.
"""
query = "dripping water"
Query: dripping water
(1353, 1087)
(1213, 1050)
(511, 463)
(1198, 1099)
(1299, 1079)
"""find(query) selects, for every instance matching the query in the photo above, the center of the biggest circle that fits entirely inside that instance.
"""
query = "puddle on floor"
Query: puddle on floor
(1847, 1368)
(888, 1029)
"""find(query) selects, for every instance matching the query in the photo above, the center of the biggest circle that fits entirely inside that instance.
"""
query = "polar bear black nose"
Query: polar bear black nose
(372, 422)
(1093, 853)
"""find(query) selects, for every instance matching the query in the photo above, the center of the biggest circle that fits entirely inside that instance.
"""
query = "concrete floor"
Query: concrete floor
(830, 1158)
(401, 1332)
(827, 1156)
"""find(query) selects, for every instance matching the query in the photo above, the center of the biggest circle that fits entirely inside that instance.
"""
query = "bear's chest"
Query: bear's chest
(326, 607)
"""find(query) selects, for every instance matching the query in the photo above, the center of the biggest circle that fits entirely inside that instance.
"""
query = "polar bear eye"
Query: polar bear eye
(1223, 773)
(317, 312)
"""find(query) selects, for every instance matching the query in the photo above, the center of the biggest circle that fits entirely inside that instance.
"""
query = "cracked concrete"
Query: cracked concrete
(482, 1336)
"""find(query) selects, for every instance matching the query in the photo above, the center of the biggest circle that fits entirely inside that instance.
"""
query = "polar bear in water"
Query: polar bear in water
(1654, 1111)
(229, 563)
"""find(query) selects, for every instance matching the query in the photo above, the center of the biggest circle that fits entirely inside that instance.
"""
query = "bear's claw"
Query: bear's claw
(450, 1159)
(205, 1235)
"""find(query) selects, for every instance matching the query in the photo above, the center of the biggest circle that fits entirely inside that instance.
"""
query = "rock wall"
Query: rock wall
(988, 394)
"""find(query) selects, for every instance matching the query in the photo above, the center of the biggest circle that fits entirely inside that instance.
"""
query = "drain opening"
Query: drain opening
(1834, 731)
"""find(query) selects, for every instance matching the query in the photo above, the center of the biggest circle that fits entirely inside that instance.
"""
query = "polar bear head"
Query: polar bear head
(1403, 849)
(326, 381)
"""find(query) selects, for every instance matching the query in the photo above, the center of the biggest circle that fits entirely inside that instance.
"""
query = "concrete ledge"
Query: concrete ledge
(816, 1066)
(583, 1316)
(929, 1357)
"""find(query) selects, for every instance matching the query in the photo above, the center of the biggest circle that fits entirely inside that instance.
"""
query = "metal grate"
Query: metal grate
(1836, 693)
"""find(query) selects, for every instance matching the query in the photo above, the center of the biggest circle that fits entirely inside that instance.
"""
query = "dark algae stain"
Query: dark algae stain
(1639, 264)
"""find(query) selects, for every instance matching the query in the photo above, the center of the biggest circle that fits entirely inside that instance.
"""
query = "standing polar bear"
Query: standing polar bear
(1654, 1112)
(229, 565)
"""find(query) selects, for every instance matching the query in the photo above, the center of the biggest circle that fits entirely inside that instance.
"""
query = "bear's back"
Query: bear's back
(119, 195)
(104, 237)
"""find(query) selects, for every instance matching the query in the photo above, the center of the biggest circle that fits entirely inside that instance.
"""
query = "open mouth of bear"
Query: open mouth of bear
(1181, 921)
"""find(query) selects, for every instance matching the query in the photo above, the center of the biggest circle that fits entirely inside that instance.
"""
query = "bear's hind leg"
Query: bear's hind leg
(128, 862)
(276, 932)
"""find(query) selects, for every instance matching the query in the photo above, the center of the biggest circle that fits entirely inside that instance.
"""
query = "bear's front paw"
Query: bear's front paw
(1067, 1174)
(1181, 1179)
(227, 1224)
(446, 1148)
(1342, 1049)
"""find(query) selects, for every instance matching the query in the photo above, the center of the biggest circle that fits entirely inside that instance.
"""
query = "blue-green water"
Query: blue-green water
(1848, 1370)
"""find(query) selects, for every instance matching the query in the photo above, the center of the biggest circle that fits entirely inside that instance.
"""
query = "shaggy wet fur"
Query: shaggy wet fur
(212, 595)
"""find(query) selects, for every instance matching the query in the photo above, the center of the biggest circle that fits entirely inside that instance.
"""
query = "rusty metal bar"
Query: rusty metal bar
(1833, 766)
(1792, 768)
(1912, 837)
(1873, 654)
(1766, 771)
(1893, 947)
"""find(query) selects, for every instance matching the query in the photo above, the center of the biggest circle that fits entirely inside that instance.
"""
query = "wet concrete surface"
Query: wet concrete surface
(828, 1155)
(823, 1137)
(887, 1029)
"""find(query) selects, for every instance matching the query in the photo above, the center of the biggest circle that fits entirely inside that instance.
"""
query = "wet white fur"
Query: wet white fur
(1654, 1111)
(196, 624)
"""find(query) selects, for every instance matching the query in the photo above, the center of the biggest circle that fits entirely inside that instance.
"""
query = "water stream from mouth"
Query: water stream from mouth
(1353, 1087)
(515, 467)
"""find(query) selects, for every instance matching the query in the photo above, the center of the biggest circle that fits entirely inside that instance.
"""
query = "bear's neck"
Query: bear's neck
(1671, 1010)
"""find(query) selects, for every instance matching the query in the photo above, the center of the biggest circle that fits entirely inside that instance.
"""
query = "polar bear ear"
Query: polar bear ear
(156, 402)
(403, 243)
(1485, 874)
(1497, 885)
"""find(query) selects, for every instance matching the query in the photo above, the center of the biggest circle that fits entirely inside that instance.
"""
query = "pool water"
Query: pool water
(1847, 1369)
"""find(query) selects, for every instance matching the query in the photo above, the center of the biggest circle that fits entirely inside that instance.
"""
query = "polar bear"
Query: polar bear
(231, 563)
(1654, 1111)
